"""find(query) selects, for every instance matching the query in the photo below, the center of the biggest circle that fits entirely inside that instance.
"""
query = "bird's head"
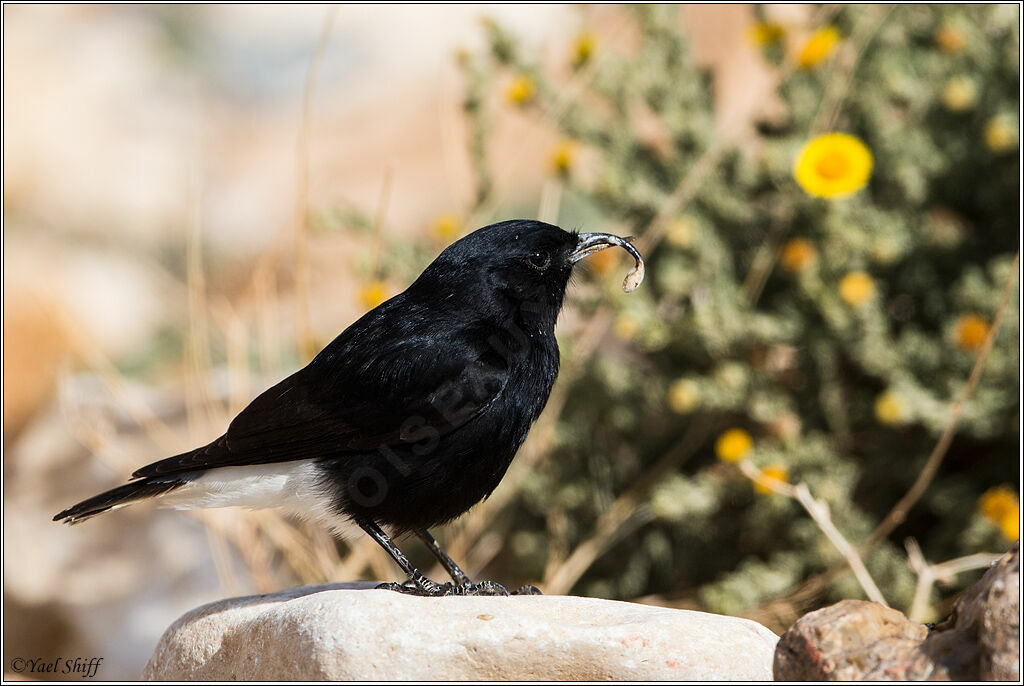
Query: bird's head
(519, 263)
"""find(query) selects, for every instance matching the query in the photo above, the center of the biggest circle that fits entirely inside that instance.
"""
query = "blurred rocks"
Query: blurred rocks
(35, 344)
(984, 630)
(107, 587)
(860, 640)
(347, 632)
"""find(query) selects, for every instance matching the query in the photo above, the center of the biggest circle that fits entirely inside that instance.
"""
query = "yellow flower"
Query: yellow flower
(818, 47)
(833, 165)
(521, 90)
(889, 408)
(998, 502)
(733, 445)
(583, 49)
(681, 232)
(626, 326)
(1001, 507)
(683, 395)
(372, 293)
(765, 33)
(856, 288)
(1009, 525)
(772, 475)
(797, 254)
(971, 331)
(1000, 136)
(562, 158)
(959, 94)
(949, 39)
(446, 227)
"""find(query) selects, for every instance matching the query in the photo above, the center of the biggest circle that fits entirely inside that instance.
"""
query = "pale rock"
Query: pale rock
(352, 632)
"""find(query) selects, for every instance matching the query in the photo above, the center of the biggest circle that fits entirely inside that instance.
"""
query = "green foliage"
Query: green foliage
(772, 344)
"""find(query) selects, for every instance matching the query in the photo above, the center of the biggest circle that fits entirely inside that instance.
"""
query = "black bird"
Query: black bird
(411, 415)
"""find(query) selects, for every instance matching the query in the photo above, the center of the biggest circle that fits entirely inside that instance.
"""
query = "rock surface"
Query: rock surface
(351, 632)
(860, 640)
(986, 622)
(852, 640)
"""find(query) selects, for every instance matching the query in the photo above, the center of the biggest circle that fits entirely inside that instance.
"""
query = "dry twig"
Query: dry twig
(819, 512)
(306, 344)
(931, 466)
(928, 574)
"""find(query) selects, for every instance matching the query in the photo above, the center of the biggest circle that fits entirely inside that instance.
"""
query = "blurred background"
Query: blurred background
(196, 199)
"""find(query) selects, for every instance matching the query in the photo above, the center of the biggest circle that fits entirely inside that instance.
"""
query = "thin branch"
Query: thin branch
(815, 585)
(931, 467)
(819, 512)
(378, 223)
(928, 574)
(847, 62)
(197, 341)
(306, 345)
(682, 194)
(763, 262)
(623, 515)
(550, 201)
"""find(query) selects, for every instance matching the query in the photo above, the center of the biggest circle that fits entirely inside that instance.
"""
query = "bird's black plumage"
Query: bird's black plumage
(413, 413)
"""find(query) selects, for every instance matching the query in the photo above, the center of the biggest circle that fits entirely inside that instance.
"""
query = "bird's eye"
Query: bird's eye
(539, 259)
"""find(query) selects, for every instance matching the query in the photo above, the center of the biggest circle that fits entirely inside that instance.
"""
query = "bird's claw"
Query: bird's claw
(405, 587)
(483, 588)
(430, 589)
(527, 590)
(425, 587)
(468, 588)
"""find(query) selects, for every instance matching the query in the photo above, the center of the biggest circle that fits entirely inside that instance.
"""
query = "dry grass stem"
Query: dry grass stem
(944, 572)
(197, 342)
(819, 512)
(92, 354)
(307, 347)
(624, 513)
(550, 201)
(845, 67)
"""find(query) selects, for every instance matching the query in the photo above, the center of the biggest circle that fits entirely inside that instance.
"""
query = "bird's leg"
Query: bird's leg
(457, 575)
(462, 582)
(417, 583)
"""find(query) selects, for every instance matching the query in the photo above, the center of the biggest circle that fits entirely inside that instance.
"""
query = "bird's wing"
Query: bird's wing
(355, 399)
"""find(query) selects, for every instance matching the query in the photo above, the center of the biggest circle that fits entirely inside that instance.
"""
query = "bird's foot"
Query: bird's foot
(424, 587)
(493, 588)
(407, 587)
(469, 588)
(427, 588)
(527, 590)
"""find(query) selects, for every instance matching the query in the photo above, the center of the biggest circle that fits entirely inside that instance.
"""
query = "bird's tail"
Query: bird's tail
(121, 496)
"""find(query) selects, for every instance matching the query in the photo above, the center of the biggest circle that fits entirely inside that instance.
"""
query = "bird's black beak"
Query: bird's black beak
(590, 243)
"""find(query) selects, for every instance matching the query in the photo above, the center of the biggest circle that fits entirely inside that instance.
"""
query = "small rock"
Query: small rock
(351, 632)
(851, 640)
(860, 640)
